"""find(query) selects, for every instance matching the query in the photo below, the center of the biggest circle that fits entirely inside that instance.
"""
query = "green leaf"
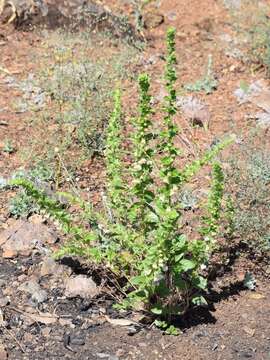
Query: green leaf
(187, 265)
(181, 284)
(200, 282)
(199, 301)
(172, 330)
(138, 280)
(157, 310)
(178, 257)
(161, 324)
(249, 281)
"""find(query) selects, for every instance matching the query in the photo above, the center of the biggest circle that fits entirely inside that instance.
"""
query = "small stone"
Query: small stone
(87, 324)
(82, 286)
(9, 254)
(3, 353)
(107, 356)
(36, 219)
(28, 337)
(49, 267)
(142, 344)
(38, 295)
(249, 331)
(46, 331)
(77, 340)
(246, 355)
(30, 287)
(132, 330)
(172, 15)
(195, 110)
(4, 301)
(66, 322)
(152, 20)
(181, 35)
(22, 277)
(120, 352)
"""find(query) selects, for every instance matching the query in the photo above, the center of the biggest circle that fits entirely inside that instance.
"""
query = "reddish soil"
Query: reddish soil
(236, 324)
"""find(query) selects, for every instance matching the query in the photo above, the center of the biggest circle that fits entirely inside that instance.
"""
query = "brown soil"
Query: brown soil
(236, 323)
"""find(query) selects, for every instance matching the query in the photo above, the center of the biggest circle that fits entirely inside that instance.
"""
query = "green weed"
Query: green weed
(207, 84)
(139, 236)
(248, 182)
(22, 204)
(9, 147)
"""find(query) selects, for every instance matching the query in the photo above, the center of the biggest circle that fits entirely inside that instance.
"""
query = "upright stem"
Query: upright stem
(143, 153)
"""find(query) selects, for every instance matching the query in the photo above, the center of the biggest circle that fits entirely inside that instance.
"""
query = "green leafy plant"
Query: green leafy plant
(211, 220)
(261, 42)
(207, 84)
(8, 147)
(22, 205)
(247, 180)
(251, 22)
(139, 236)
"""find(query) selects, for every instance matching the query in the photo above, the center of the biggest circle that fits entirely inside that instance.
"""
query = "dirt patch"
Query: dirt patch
(235, 325)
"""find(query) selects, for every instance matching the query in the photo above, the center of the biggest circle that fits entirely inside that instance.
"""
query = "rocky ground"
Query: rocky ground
(53, 310)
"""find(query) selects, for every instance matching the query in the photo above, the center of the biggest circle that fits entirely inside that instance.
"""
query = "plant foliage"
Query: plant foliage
(140, 237)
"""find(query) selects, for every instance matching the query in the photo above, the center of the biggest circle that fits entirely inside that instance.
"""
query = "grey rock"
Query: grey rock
(82, 286)
(23, 236)
(194, 109)
(3, 353)
(152, 20)
(38, 295)
(246, 355)
(171, 15)
(50, 267)
(77, 340)
(107, 356)
(4, 301)
(263, 119)
(253, 93)
(30, 287)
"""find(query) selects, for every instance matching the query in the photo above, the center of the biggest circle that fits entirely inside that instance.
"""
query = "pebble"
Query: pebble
(82, 286)
(46, 331)
(3, 301)
(107, 356)
(77, 340)
(38, 295)
(3, 353)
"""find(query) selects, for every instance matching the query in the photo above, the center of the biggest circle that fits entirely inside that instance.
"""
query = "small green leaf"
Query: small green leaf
(181, 284)
(157, 310)
(199, 301)
(172, 330)
(187, 265)
(249, 281)
(161, 324)
(200, 282)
